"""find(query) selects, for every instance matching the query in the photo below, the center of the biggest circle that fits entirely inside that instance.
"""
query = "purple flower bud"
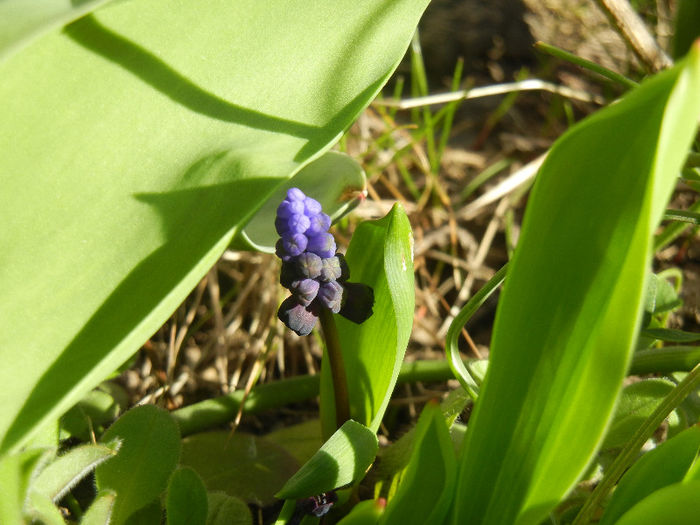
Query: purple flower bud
(288, 208)
(281, 225)
(319, 223)
(298, 223)
(298, 318)
(331, 295)
(309, 265)
(312, 207)
(322, 244)
(331, 269)
(294, 244)
(305, 291)
(295, 194)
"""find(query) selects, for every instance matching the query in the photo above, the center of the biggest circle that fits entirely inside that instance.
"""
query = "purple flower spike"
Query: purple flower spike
(288, 208)
(294, 244)
(298, 318)
(298, 223)
(319, 223)
(295, 194)
(331, 296)
(322, 244)
(311, 269)
(305, 291)
(312, 207)
(310, 265)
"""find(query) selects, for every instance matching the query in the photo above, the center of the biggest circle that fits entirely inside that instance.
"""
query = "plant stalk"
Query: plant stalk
(337, 364)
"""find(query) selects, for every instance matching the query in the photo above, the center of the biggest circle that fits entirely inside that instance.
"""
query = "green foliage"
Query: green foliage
(427, 488)
(100, 511)
(667, 464)
(566, 323)
(687, 27)
(342, 460)
(65, 472)
(227, 510)
(139, 154)
(186, 501)
(150, 448)
(239, 464)
(676, 504)
(637, 402)
(380, 255)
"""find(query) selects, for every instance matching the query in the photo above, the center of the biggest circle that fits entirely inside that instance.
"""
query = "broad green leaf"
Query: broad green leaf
(301, 440)
(150, 447)
(21, 22)
(227, 510)
(636, 404)
(138, 141)
(659, 295)
(186, 502)
(662, 466)
(342, 460)
(100, 510)
(676, 504)
(66, 471)
(426, 490)
(366, 512)
(241, 465)
(150, 514)
(96, 409)
(571, 304)
(380, 255)
(334, 179)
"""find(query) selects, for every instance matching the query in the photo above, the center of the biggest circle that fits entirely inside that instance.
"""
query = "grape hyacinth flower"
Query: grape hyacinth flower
(312, 269)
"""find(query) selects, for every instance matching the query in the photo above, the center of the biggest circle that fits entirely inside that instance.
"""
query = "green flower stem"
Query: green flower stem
(287, 512)
(631, 449)
(586, 64)
(212, 413)
(335, 360)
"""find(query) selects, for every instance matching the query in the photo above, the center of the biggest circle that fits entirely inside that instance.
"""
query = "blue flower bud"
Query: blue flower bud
(331, 295)
(295, 194)
(288, 208)
(309, 265)
(298, 223)
(312, 207)
(294, 244)
(298, 318)
(319, 223)
(305, 290)
(322, 244)
(331, 269)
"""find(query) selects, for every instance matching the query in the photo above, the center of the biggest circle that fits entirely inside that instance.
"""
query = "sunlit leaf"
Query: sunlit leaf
(137, 142)
(186, 501)
(676, 504)
(571, 304)
(380, 255)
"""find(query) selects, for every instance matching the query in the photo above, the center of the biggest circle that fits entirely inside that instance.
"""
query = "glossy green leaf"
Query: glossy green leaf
(150, 448)
(335, 179)
(666, 464)
(426, 490)
(673, 336)
(342, 460)
(227, 510)
(365, 513)
(100, 510)
(186, 501)
(21, 22)
(66, 471)
(676, 504)
(636, 404)
(380, 255)
(571, 304)
(138, 142)
(239, 464)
